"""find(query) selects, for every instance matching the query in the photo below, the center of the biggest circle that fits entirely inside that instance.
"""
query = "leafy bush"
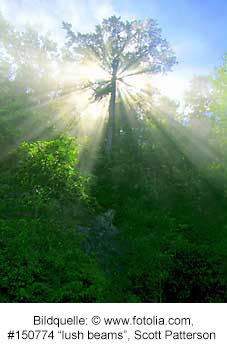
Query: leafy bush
(39, 262)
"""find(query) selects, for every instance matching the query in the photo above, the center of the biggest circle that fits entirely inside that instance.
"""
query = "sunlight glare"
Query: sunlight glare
(172, 86)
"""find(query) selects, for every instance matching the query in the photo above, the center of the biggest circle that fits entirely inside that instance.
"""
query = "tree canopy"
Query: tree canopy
(131, 45)
(122, 50)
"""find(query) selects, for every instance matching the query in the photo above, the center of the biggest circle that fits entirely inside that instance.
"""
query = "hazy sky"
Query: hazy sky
(196, 29)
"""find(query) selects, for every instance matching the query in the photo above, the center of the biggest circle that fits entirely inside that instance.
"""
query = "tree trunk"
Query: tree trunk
(112, 105)
(111, 121)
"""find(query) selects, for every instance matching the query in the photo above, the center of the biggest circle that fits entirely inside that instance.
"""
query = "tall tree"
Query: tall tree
(122, 49)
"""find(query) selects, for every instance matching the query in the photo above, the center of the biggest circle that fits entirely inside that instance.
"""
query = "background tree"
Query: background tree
(219, 101)
(122, 50)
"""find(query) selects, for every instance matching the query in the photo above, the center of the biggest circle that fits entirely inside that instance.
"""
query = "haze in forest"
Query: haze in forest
(196, 43)
(113, 119)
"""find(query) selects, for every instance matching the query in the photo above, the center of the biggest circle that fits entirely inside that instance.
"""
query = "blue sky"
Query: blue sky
(196, 29)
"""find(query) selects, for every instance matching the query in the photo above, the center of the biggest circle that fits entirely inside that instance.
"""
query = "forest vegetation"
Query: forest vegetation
(109, 191)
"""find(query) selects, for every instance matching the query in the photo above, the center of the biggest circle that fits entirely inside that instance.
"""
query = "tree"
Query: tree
(122, 50)
(219, 101)
(199, 97)
(32, 104)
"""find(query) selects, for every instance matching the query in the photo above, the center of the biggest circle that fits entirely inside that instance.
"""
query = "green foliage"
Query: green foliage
(40, 262)
(50, 166)
(165, 205)
(101, 89)
(42, 256)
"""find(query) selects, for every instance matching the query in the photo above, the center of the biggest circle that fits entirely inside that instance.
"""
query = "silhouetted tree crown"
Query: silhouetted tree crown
(122, 50)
